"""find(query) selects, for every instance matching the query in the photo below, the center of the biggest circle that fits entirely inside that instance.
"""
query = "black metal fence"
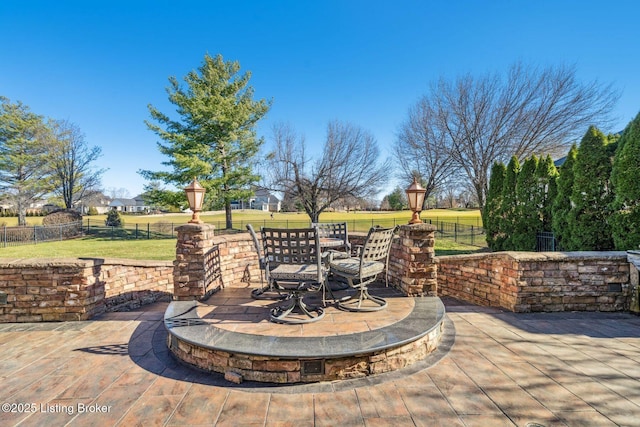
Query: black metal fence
(464, 234)
(157, 230)
(546, 242)
(14, 236)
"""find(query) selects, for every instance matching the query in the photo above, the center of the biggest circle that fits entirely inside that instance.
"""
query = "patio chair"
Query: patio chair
(268, 291)
(335, 230)
(294, 264)
(362, 270)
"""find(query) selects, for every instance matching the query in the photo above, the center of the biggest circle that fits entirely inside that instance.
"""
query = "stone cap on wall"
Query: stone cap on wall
(79, 262)
(540, 256)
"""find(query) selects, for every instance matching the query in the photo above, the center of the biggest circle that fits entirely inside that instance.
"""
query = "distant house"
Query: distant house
(98, 201)
(265, 201)
(262, 200)
(135, 205)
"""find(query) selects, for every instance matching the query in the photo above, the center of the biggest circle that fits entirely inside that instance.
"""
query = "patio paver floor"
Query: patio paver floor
(497, 369)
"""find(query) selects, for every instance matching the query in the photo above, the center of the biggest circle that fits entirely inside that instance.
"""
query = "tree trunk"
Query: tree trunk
(227, 210)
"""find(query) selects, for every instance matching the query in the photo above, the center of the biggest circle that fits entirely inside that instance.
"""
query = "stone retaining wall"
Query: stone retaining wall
(282, 371)
(61, 289)
(535, 282)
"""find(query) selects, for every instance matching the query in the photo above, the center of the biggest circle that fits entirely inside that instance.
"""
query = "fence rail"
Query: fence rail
(12, 236)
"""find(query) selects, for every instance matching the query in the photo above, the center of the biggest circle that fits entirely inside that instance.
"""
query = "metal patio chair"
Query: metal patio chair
(335, 230)
(294, 264)
(268, 291)
(362, 270)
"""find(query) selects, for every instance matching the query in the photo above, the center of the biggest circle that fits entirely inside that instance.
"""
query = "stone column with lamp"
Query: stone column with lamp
(412, 265)
(194, 240)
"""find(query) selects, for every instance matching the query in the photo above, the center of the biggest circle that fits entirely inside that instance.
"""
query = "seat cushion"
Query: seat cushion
(294, 272)
(351, 267)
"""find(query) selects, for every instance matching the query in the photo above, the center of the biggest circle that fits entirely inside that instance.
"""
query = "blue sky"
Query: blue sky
(100, 63)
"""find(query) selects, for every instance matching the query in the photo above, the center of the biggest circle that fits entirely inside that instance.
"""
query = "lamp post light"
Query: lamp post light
(415, 195)
(195, 196)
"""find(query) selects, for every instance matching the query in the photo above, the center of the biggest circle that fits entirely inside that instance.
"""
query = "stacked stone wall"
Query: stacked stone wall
(538, 282)
(73, 289)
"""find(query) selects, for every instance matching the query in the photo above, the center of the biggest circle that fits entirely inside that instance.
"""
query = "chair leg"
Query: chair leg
(355, 302)
(281, 313)
(269, 292)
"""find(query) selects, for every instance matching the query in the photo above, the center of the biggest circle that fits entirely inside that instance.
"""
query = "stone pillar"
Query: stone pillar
(194, 240)
(412, 266)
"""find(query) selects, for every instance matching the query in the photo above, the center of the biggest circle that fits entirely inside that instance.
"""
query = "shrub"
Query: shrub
(92, 211)
(114, 219)
(625, 221)
(591, 195)
(491, 215)
(509, 203)
(63, 216)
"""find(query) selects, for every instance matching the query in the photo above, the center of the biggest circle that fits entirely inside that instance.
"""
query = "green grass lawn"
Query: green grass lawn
(164, 249)
(360, 219)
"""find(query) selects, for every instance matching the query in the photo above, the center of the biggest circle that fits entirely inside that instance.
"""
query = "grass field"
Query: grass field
(362, 220)
(164, 249)
(142, 249)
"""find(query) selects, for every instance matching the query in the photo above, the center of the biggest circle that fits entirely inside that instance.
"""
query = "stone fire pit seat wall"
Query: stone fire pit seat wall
(61, 289)
(538, 282)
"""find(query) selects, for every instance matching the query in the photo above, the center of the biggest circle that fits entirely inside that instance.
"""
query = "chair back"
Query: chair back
(378, 244)
(291, 246)
(334, 230)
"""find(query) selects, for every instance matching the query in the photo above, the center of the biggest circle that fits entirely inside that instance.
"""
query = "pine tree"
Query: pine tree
(527, 221)
(509, 203)
(561, 205)
(491, 214)
(215, 139)
(591, 194)
(625, 221)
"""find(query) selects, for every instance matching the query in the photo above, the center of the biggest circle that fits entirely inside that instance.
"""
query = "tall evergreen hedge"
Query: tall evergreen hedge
(625, 177)
(546, 175)
(591, 195)
(509, 203)
(561, 205)
(492, 214)
(527, 221)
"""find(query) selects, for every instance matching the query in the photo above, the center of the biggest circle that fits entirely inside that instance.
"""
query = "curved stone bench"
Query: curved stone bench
(285, 359)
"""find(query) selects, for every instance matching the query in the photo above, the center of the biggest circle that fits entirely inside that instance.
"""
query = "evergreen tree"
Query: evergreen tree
(215, 138)
(491, 214)
(561, 205)
(527, 221)
(625, 221)
(113, 219)
(591, 195)
(547, 189)
(24, 156)
(509, 203)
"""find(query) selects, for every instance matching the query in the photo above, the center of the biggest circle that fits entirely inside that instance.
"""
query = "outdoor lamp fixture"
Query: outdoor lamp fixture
(415, 194)
(195, 196)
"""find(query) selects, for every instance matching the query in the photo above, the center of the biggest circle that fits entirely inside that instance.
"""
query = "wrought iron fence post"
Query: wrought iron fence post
(148, 231)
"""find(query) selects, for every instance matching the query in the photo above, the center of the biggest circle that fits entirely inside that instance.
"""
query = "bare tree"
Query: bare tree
(348, 167)
(74, 177)
(528, 111)
(422, 150)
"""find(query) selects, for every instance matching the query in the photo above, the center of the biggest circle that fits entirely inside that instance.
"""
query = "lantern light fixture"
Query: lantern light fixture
(195, 196)
(415, 195)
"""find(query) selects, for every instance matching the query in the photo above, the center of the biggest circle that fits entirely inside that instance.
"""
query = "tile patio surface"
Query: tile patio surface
(492, 369)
